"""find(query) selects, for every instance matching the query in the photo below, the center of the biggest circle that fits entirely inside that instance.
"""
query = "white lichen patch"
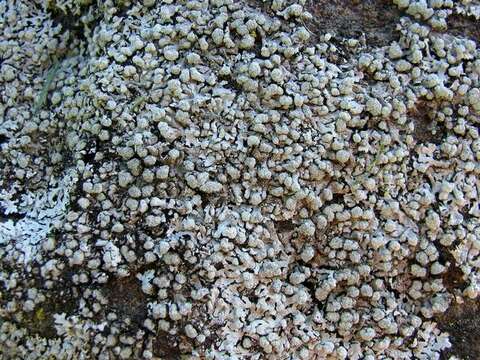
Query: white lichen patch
(39, 215)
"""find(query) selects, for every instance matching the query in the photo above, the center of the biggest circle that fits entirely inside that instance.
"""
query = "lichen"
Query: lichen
(222, 179)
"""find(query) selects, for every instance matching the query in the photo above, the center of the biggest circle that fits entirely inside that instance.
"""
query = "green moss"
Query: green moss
(40, 314)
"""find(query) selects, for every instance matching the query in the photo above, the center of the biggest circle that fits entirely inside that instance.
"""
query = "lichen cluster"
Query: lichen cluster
(199, 179)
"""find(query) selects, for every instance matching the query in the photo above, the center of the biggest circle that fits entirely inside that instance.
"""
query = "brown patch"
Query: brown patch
(462, 322)
(213, 338)
(464, 26)
(426, 130)
(127, 299)
(42, 320)
(283, 226)
(452, 278)
(402, 282)
(166, 346)
(259, 4)
(376, 19)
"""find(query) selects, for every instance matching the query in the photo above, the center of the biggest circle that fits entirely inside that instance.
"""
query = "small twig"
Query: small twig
(42, 98)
